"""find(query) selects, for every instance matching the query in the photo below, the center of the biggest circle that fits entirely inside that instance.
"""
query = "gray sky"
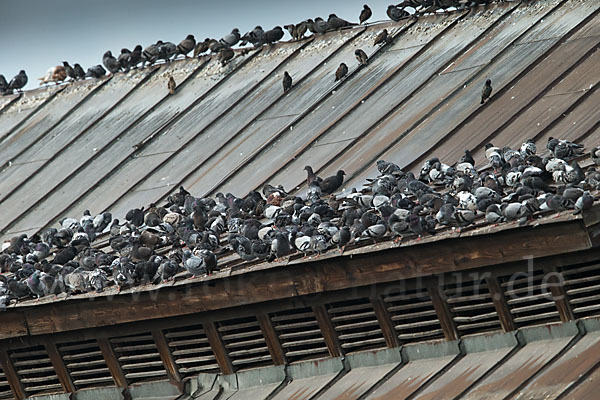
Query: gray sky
(37, 35)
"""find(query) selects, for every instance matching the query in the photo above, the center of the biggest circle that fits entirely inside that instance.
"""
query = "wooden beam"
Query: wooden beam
(386, 323)
(441, 309)
(59, 367)
(273, 343)
(555, 283)
(329, 333)
(272, 281)
(167, 358)
(13, 324)
(500, 304)
(218, 348)
(112, 363)
(11, 375)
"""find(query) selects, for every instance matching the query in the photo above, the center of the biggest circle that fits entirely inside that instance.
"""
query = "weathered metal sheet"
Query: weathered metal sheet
(565, 371)
(409, 378)
(209, 138)
(104, 151)
(78, 143)
(365, 83)
(175, 136)
(21, 144)
(520, 367)
(298, 105)
(534, 102)
(462, 375)
(357, 382)
(17, 112)
(410, 89)
(442, 117)
(308, 378)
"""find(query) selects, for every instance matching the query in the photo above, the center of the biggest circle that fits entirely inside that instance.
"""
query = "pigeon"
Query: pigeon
(124, 59)
(193, 264)
(595, 155)
(584, 202)
(79, 71)
(255, 36)
(201, 47)
(272, 36)
(37, 285)
(318, 26)
(332, 183)
(135, 56)
(341, 72)
(69, 70)
(54, 74)
(150, 53)
(382, 38)
(297, 31)
(287, 82)
(224, 55)
(365, 14)
(231, 39)
(361, 56)
(171, 85)
(166, 51)
(111, 63)
(18, 82)
(336, 22)
(186, 45)
(97, 71)
(528, 149)
(486, 92)
(3, 84)
(395, 13)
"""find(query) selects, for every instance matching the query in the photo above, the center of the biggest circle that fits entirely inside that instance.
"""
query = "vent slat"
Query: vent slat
(539, 296)
(537, 316)
(191, 350)
(245, 343)
(299, 334)
(35, 370)
(352, 335)
(138, 357)
(68, 357)
(86, 364)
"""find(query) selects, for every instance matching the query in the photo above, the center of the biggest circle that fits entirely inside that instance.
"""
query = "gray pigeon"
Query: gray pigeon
(68, 69)
(166, 51)
(111, 63)
(79, 71)
(231, 39)
(193, 264)
(395, 13)
(124, 59)
(97, 71)
(3, 84)
(150, 53)
(336, 22)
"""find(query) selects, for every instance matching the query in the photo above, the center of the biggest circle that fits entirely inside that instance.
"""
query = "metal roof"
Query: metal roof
(74, 147)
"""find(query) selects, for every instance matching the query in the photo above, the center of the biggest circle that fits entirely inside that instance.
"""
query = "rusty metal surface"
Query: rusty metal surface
(304, 389)
(357, 382)
(520, 367)
(450, 106)
(566, 371)
(463, 374)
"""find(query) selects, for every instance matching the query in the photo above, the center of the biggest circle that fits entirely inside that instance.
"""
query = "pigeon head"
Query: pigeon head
(190, 37)
(108, 54)
(488, 82)
(125, 50)
(138, 48)
(235, 30)
(66, 64)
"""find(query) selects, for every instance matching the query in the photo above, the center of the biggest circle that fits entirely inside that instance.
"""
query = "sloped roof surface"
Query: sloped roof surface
(122, 142)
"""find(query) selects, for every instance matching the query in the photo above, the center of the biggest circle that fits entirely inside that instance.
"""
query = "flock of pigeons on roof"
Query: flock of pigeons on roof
(191, 234)
(167, 51)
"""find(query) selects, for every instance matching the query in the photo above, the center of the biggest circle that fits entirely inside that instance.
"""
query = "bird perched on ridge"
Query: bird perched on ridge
(231, 39)
(124, 59)
(70, 71)
(287, 82)
(18, 82)
(486, 92)
(171, 85)
(54, 74)
(365, 14)
(3, 84)
(79, 71)
(201, 47)
(186, 45)
(361, 56)
(111, 63)
(382, 38)
(97, 71)
(341, 72)
(395, 13)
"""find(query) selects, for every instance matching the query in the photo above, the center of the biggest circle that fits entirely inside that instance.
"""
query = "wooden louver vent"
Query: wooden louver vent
(582, 286)
(5, 392)
(299, 334)
(356, 324)
(245, 342)
(139, 357)
(191, 350)
(413, 315)
(85, 364)
(529, 299)
(35, 370)
(472, 307)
